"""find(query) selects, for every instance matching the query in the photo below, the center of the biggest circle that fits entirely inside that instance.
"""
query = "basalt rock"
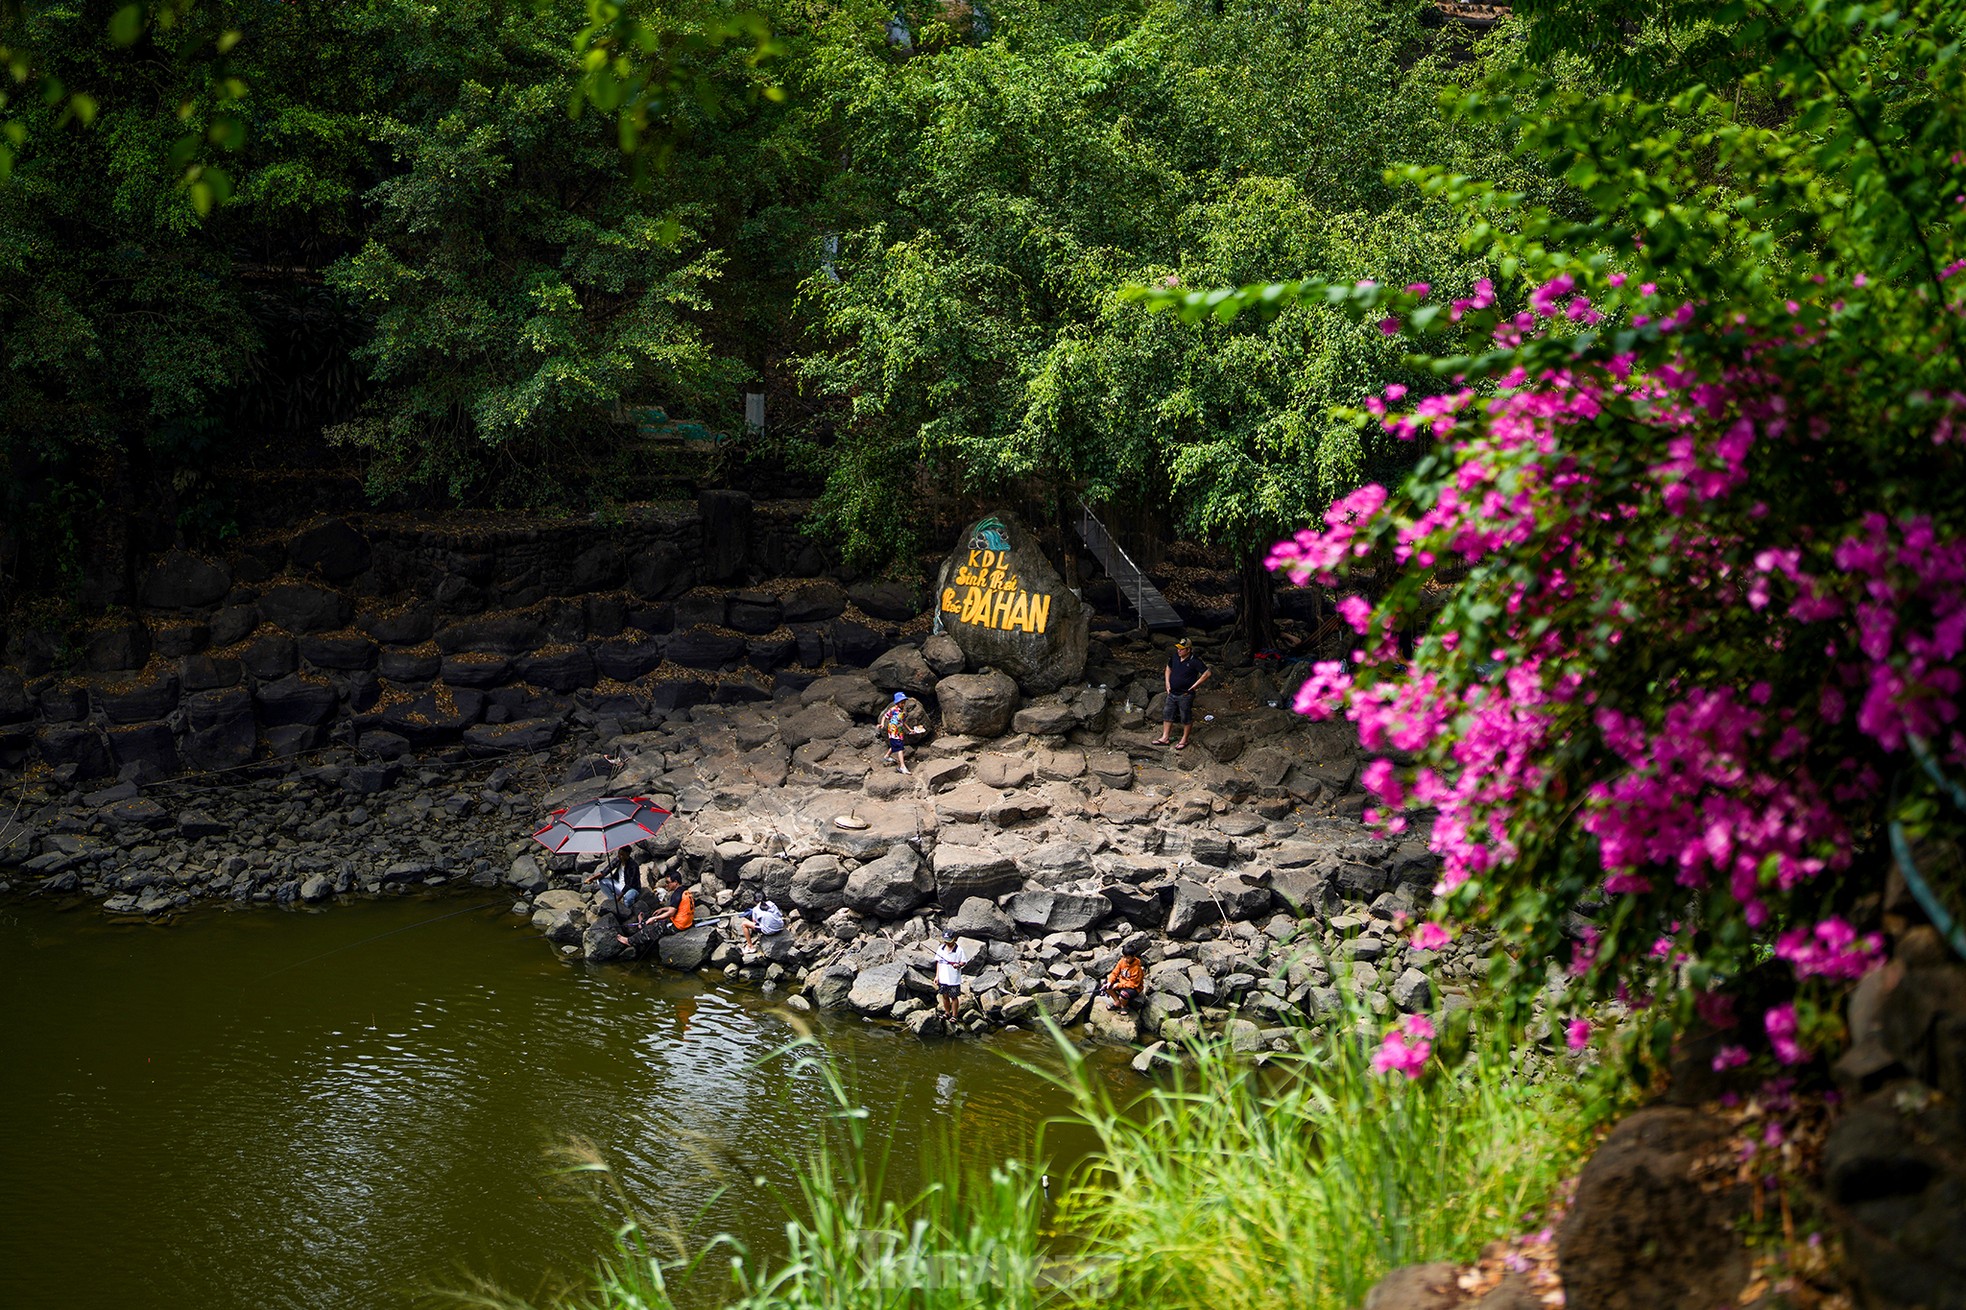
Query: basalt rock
(891, 887)
(1643, 1232)
(182, 581)
(977, 704)
(1006, 607)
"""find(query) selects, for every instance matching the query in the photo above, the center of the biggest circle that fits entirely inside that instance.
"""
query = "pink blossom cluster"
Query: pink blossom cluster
(1832, 949)
(1692, 801)
(1406, 1047)
(1734, 792)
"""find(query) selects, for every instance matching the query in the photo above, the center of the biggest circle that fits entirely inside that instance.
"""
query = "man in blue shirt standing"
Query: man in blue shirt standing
(1184, 674)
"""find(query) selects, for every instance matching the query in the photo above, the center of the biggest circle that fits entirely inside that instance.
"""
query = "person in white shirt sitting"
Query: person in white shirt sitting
(763, 919)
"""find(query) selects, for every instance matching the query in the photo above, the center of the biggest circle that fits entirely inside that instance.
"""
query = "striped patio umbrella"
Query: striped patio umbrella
(597, 827)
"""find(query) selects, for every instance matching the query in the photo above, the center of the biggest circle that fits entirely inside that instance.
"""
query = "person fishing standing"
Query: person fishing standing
(1183, 676)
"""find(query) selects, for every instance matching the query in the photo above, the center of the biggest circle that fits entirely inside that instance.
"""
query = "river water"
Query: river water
(359, 1106)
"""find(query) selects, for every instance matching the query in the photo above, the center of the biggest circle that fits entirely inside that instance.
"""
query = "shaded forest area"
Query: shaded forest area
(425, 281)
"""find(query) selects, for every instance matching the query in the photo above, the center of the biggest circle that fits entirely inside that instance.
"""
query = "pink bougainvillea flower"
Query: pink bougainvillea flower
(1780, 1023)
(1729, 1057)
(1431, 937)
(1577, 1034)
(1405, 1048)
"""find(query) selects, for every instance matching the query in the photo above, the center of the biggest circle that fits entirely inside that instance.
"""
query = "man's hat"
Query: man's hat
(1184, 644)
(948, 934)
(900, 696)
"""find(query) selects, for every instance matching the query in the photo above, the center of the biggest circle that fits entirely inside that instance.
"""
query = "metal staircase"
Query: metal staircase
(1144, 596)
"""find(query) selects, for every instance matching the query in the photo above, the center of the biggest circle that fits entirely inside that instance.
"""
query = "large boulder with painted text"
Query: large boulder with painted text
(1006, 607)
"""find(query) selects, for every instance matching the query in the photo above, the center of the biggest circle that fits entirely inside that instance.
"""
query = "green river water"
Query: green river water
(358, 1106)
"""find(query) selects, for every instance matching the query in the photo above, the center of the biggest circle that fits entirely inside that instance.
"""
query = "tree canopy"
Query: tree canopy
(411, 238)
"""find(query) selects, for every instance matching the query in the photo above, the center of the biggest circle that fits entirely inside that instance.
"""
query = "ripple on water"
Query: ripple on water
(349, 1108)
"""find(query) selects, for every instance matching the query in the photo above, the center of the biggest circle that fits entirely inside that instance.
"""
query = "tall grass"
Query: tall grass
(1294, 1185)
(1302, 1183)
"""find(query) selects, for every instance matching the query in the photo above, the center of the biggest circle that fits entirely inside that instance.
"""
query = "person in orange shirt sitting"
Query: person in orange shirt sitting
(1127, 980)
(677, 913)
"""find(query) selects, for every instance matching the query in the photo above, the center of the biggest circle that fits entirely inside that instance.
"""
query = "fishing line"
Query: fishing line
(366, 940)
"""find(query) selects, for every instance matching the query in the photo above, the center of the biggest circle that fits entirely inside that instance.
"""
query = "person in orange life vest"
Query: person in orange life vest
(677, 913)
(894, 723)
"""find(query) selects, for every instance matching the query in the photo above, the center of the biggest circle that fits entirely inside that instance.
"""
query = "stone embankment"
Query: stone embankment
(1242, 867)
(1045, 830)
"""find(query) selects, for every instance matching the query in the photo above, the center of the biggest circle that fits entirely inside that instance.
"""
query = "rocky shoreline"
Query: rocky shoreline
(1044, 830)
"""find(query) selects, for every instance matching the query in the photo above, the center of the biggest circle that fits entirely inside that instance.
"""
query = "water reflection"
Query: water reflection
(351, 1107)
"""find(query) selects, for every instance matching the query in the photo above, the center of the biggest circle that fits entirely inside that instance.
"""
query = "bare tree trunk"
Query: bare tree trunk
(1256, 603)
(1067, 540)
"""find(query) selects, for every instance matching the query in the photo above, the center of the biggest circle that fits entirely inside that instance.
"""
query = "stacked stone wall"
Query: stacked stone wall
(401, 635)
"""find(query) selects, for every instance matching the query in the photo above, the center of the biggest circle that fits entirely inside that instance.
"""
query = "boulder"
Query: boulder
(116, 647)
(207, 672)
(502, 634)
(1895, 1166)
(853, 644)
(294, 700)
(300, 608)
(1412, 990)
(662, 572)
(942, 655)
(965, 871)
(563, 670)
(1651, 1225)
(830, 990)
(895, 601)
(1045, 719)
(688, 950)
(819, 886)
(1241, 898)
(409, 627)
(902, 669)
(600, 943)
(1103, 1023)
(14, 703)
(725, 518)
(146, 752)
(1307, 893)
(222, 732)
(182, 581)
(1039, 912)
(821, 722)
(876, 989)
(271, 657)
(977, 704)
(705, 648)
(853, 692)
(563, 927)
(82, 747)
(815, 602)
(891, 887)
(346, 654)
(627, 659)
(1418, 1287)
(1194, 907)
(977, 917)
(1006, 607)
(139, 701)
(515, 735)
(332, 549)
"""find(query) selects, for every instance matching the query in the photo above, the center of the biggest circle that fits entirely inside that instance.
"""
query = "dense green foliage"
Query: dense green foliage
(310, 232)
(1710, 505)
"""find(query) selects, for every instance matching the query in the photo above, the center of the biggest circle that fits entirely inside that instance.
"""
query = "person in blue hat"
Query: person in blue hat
(894, 724)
